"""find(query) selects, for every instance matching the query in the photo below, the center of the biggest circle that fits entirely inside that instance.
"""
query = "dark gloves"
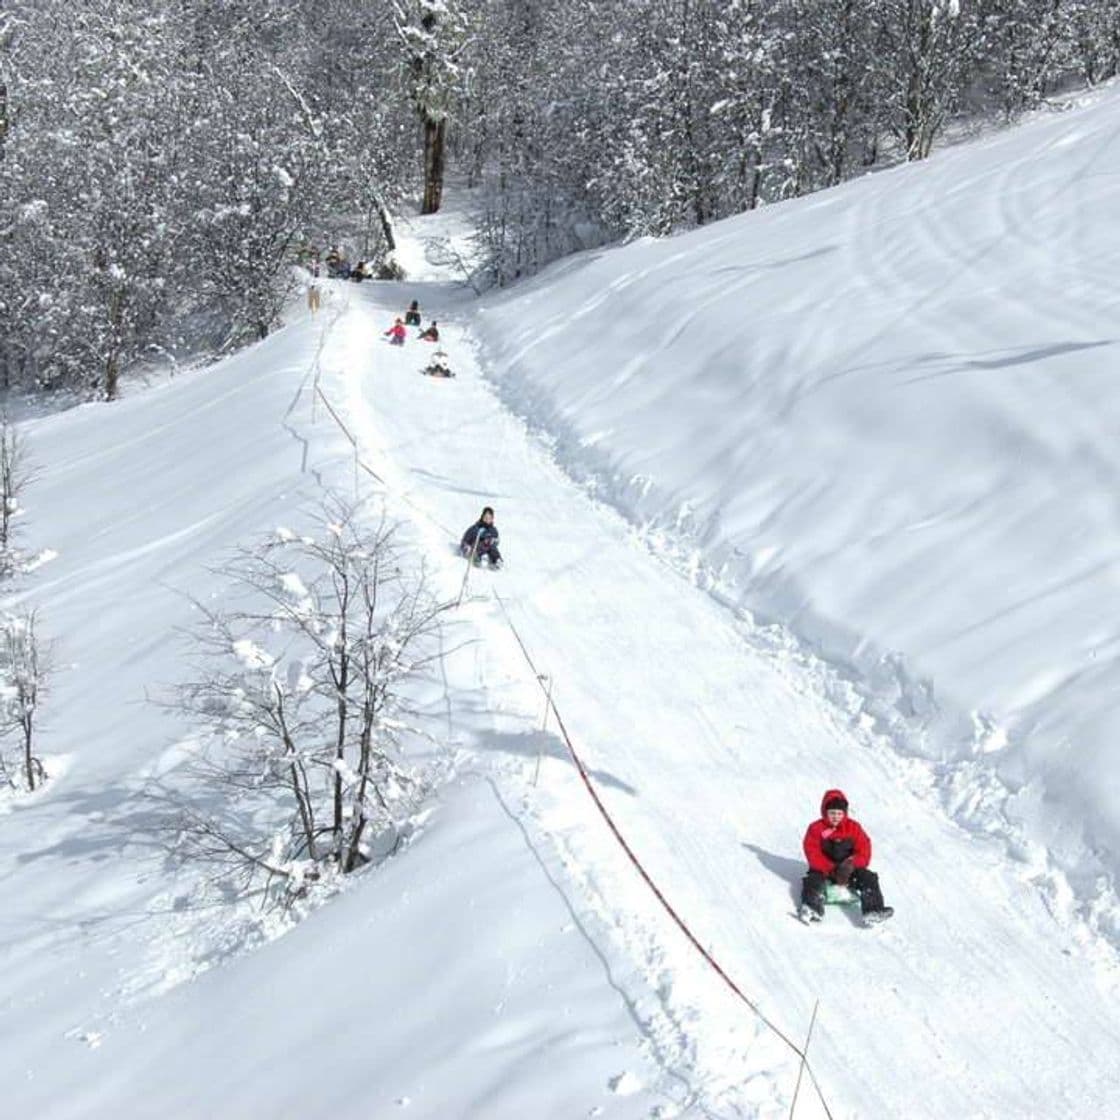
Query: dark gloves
(842, 872)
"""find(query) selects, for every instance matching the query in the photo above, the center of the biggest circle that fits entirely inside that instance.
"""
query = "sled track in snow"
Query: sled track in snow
(801, 1052)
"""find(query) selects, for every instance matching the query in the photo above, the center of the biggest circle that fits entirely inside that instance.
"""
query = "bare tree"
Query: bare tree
(24, 669)
(432, 33)
(15, 473)
(301, 705)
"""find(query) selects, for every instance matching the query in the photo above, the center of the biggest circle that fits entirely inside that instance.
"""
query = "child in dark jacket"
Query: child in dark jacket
(839, 851)
(481, 540)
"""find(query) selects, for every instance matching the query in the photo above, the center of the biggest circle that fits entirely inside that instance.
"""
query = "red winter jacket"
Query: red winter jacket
(826, 846)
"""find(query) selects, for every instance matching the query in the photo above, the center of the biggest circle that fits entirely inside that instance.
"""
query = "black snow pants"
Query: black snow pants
(488, 552)
(863, 882)
(485, 550)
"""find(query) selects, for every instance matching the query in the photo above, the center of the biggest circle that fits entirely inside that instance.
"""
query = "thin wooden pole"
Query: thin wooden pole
(467, 571)
(804, 1058)
(544, 723)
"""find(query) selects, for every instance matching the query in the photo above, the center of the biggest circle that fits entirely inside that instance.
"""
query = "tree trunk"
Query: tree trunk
(112, 376)
(340, 757)
(918, 134)
(3, 116)
(353, 853)
(30, 761)
(386, 221)
(8, 483)
(113, 357)
(435, 155)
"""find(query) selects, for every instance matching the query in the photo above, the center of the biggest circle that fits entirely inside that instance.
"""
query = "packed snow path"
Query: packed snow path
(713, 746)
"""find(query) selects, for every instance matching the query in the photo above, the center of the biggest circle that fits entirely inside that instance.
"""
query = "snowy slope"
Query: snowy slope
(713, 741)
(749, 417)
(886, 417)
(449, 985)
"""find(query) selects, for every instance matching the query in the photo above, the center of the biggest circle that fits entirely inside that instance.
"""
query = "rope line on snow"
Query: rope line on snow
(646, 877)
(585, 776)
(358, 460)
(359, 463)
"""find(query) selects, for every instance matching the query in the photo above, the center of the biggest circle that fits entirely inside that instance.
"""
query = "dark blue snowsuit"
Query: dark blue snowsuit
(483, 540)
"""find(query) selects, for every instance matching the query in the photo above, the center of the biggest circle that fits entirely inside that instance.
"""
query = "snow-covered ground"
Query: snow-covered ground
(818, 496)
(886, 416)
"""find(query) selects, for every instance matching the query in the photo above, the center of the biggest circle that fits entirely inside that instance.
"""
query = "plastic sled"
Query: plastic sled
(836, 895)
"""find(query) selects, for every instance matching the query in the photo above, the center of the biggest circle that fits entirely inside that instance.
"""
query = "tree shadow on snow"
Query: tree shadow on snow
(530, 744)
(778, 262)
(447, 484)
(113, 817)
(1004, 359)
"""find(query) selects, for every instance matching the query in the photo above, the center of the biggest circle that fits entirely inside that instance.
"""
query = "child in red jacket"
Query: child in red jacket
(839, 850)
(396, 334)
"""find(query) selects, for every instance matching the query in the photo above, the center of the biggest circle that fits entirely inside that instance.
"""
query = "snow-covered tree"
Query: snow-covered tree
(301, 705)
(922, 66)
(520, 135)
(1094, 34)
(162, 163)
(433, 34)
(1024, 52)
(829, 103)
(15, 474)
(24, 672)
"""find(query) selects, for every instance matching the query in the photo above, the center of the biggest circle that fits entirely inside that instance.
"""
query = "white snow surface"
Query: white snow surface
(823, 495)
(885, 416)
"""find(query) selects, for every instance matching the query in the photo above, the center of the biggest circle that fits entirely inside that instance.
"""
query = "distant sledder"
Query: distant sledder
(480, 541)
(438, 366)
(396, 334)
(839, 852)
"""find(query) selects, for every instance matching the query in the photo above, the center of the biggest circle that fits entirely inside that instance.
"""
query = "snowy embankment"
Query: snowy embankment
(885, 416)
(452, 982)
(776, 402)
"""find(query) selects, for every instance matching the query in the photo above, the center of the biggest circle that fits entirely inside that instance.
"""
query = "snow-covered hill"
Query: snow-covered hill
(876, 418)
(886, 416)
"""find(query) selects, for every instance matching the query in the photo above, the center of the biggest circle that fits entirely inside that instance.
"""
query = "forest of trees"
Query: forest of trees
(163, 163)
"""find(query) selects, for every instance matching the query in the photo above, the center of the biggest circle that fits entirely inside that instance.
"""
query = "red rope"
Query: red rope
(647, 878)
(604, 813)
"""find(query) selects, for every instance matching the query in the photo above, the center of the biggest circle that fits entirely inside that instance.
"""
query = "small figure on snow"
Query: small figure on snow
(396, 334)
(338, 267)
(481, 540)
(839, 851)
(438, 366)
(314, 298)
(431, 334)
(412, 315)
